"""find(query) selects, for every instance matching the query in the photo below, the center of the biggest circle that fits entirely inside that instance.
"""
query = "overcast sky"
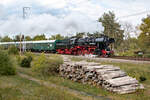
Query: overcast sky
(65, 16)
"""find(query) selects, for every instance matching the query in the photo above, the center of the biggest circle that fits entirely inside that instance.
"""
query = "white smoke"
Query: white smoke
(48, 24)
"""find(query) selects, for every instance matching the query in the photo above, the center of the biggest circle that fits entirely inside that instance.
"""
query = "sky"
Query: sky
(66, 16)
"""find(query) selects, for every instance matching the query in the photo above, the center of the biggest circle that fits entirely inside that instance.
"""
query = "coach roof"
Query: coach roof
(40, 41)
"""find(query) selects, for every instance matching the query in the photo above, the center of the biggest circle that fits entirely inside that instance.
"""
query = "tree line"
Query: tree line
(28, 38)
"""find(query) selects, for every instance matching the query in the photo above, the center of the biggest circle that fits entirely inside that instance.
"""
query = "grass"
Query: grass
(134, 70)
(17, 88)
(139, 95)
(64, 82)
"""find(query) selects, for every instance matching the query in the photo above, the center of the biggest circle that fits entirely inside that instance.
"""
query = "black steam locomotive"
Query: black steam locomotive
(88, 45)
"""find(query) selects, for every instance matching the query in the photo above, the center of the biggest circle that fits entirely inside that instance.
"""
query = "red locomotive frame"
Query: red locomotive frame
(82, 50)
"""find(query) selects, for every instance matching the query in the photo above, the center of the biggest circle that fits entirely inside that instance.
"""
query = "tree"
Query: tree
(57, 37)
(0, 38)
(130, 48)
(28, 38)
(89, 34)
(144, 37)
(80, 35)
(128, 29)
(95, 34)
(17, 38)
(98, 34)
(112, 28)
(39, 37)
(6, 39)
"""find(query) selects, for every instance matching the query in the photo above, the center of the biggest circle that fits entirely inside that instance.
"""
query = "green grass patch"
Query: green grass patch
(17, 88)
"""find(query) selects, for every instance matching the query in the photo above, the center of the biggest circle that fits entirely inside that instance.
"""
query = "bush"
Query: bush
(19, 59)
(142, 78)
(127, 53)
(13, 50)
(29, 54)
(2, 47)
(6, 64)
(47, 65)
(51, 67)
(26, 62)
(30, 58)
(38, 62)
(147, 55)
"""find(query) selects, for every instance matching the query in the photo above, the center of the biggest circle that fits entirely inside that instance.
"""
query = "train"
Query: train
(72, 46)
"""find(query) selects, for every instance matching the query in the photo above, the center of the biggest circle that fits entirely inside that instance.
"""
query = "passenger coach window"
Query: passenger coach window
(50, 45)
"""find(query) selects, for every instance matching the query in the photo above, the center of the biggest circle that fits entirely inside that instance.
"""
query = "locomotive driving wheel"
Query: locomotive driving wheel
(79, 52)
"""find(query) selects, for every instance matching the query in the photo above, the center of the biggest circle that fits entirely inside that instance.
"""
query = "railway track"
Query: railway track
(131, 58)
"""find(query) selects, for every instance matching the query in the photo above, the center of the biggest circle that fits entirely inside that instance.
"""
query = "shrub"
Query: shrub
(142, 78)
(47, 65)
(13, 50)
(51, 67)
(2, 47)
(29, 54)
(30, 58)
(26, 62)
(38, 62)
(6, 64)
(127, 53)
(147, 55)
(19, 59)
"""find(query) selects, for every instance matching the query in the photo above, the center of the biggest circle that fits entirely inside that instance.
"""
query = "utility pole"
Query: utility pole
(26, 14)
(20, 44)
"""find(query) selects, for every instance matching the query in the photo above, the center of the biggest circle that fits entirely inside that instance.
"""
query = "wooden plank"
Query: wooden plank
(113, 74)
(122, 81)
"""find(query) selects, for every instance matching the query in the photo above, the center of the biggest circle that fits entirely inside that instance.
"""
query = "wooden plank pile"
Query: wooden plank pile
(107, 76)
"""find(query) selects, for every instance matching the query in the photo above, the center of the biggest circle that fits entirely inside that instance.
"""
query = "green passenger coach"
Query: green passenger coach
(42, 45)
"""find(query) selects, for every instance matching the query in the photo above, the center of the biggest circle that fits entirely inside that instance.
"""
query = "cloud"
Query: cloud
(127, 7)
(53, 3)
(5, 2)
(64, 16)
(54, 19)
(2, 11)
(48, 24)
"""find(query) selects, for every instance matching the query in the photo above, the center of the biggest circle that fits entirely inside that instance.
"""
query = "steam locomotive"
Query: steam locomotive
(82, 46)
